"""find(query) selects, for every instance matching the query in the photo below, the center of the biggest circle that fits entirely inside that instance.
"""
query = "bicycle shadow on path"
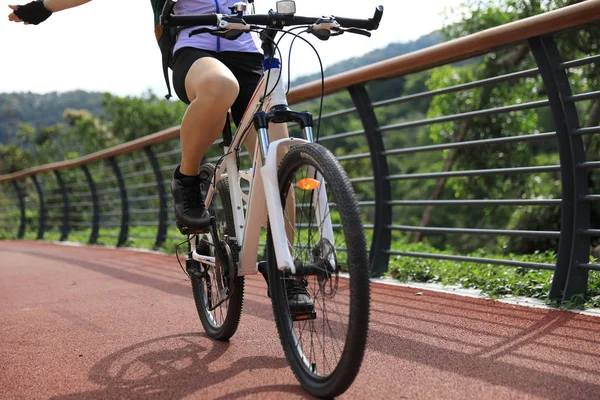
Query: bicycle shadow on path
(175, 367)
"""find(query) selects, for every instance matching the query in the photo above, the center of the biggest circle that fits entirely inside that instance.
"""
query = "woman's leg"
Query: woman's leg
(211, 89)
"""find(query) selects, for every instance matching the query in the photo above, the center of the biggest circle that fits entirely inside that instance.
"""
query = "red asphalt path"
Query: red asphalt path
(97, 323)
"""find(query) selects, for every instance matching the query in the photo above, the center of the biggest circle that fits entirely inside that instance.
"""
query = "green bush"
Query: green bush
(492, 280)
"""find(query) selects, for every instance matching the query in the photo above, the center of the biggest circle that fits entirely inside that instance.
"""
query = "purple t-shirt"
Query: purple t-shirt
(247, 42)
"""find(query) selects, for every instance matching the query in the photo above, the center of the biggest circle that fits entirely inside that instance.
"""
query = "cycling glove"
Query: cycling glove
(33, 13)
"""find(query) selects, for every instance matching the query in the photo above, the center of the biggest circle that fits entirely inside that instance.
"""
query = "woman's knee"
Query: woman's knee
(210, 78)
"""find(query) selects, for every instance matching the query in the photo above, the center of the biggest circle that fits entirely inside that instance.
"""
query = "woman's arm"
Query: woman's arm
(59, 5)
(38, 11)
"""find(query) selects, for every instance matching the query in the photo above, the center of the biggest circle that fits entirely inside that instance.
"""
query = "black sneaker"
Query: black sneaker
(299, 300)
(190, 214)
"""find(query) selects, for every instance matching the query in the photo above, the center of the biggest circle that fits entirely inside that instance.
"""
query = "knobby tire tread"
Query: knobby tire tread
(349, 364)
(236, 301)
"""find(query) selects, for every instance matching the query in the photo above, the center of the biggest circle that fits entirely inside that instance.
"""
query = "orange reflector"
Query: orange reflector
(308, 184)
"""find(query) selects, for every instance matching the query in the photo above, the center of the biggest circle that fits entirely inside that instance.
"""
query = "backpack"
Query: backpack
(165, 38)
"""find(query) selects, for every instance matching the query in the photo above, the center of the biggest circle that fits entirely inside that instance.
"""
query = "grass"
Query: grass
(494, 281)
(142, 237)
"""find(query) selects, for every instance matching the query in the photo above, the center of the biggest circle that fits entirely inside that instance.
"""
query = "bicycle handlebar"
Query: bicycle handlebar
(272, 19)
(368, 24)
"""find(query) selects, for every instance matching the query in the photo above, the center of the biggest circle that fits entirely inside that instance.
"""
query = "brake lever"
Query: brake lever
(325, 34)
(200, 30)
(358, 31)
(229, 34)
(322, 34)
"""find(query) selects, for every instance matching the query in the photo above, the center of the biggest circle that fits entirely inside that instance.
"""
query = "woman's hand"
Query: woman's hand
(34, 12)
(12, 16)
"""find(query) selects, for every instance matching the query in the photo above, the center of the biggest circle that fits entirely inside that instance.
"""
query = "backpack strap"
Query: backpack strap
(165, 62)
(167, 55)
(165, 36)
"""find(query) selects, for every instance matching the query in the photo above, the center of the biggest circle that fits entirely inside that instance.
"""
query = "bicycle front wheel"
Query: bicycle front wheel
(324, 348)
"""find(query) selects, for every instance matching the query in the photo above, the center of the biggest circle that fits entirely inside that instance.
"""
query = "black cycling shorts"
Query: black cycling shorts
(246, 67)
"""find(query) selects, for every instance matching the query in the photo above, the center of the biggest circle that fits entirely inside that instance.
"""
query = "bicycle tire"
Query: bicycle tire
(348, 366)
(231, 320)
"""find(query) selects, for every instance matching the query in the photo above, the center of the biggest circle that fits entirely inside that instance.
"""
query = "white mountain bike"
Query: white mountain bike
(314, 229)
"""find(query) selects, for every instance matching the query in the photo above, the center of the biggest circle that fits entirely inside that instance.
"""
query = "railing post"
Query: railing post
(569, 280)
(22, 223)
(42, 216)
(63, 191)
(124, 232)
(163, 217)
(95, 206)
(382, 236)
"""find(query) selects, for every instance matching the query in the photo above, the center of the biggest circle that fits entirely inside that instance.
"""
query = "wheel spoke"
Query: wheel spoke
(316, 346)
(220, 323)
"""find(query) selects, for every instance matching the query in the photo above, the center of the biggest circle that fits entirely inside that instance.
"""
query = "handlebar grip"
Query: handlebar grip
(367, 24)
(377, 16)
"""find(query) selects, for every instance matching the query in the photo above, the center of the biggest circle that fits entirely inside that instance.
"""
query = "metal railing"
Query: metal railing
(119, 194)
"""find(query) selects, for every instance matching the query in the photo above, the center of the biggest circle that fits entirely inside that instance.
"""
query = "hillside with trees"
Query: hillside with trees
(40, 110)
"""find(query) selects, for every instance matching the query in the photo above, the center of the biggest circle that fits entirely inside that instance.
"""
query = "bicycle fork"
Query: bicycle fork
(272, 191)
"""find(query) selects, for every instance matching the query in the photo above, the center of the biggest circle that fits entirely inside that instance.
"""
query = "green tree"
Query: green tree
(134, 117)
(475, 16)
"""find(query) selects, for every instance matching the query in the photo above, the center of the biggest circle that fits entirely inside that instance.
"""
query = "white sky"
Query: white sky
(109, 45)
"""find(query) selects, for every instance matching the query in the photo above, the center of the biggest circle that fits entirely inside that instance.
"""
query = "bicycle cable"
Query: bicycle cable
(289, 85)
(297, 36)
(276, 44)
(322, 79)
(177, 255)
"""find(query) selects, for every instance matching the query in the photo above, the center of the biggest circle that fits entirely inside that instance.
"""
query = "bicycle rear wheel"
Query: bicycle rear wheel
(324, 349)
(220, 321)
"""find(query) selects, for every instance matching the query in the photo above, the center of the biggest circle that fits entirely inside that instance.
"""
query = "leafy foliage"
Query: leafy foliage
(40, 110)
(478, 15)
(134, 117)
(493, 280)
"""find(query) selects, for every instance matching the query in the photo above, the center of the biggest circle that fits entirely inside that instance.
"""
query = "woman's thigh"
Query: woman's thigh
(248, 69)
(199, 73)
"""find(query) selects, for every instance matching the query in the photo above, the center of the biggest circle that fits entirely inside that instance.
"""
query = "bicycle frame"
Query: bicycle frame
(264, 186)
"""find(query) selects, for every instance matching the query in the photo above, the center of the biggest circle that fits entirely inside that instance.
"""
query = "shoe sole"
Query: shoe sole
(190, 231)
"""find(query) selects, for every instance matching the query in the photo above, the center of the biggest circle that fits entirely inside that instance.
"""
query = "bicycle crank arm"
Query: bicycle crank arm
(318, 269)
(221, 302)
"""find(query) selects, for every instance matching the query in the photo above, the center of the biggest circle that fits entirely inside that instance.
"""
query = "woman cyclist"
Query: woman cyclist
(211, 75)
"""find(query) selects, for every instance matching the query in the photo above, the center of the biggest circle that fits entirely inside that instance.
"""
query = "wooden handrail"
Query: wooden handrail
(452, 51)
(122, 148)
(455, 50)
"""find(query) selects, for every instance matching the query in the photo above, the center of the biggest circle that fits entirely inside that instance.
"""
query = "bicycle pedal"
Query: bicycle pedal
(190, 231)
(303, 316)
(193, 269)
